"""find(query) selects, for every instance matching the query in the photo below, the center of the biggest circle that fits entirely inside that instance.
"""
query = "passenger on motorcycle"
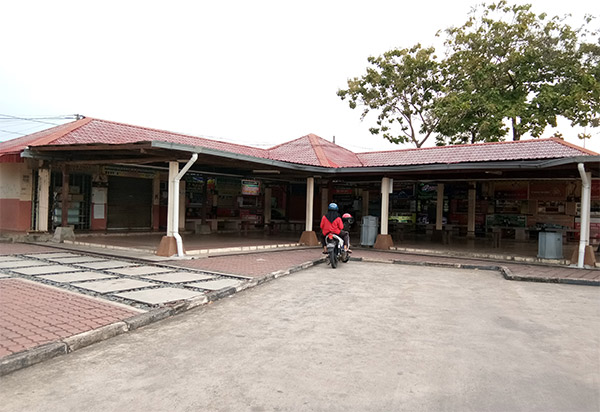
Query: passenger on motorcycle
(331, 222)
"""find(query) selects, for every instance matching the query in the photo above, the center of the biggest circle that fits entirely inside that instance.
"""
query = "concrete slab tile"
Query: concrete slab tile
(179, 277)
(77, 276)
(106, 264)
(113, 285)
(215, 284)
(21, 264)
(2, 275)
(45, 270)
(141, 270)
(9, 258)
(77, 259)
(157, 296)
(48, 255)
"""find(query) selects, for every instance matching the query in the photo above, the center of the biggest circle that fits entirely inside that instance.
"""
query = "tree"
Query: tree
(402, 86)
(507, 63)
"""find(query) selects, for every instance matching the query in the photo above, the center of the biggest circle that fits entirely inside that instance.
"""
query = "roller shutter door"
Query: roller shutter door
(129, 203)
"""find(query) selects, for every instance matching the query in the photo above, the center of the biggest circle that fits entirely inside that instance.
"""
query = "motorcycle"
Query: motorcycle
(335, 250)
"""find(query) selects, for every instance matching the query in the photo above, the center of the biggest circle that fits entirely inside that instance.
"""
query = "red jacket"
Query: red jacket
(331, 227)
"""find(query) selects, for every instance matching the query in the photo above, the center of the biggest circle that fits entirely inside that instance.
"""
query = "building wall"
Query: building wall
(16, 183)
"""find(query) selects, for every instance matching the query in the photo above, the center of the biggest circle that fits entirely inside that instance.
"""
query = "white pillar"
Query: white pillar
(182, 205)
(471, 209)
(386, 188)
(267, 209)
(584, 234)
(439, 209)
(43, 196)
(173, 171)
(310, 198)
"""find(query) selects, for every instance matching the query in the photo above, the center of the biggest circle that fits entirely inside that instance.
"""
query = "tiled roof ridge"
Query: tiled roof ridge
(318, 148)
(509, 142)
(178, 134)
(60, 133)
(287, 143)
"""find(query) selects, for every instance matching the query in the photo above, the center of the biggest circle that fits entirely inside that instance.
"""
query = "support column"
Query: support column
(182, 207)
(168, 244)
(324, 200)
(43, 195)
(584, 254)
(439, 207)
(64, 231)
(267, 206)
(384, 240)
(471, 210)
(365, 202)
(155, 202)
(309, 237)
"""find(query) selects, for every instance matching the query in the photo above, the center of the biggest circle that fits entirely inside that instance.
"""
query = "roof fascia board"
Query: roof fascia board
(238, 156)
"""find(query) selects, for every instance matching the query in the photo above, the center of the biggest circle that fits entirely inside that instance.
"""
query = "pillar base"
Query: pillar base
(63, 233)
(383, 242)
(589, 258)
(309, 238)
(167, 247)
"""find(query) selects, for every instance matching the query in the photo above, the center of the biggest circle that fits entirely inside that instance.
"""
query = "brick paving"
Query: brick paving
(254, 264)
(34, 314)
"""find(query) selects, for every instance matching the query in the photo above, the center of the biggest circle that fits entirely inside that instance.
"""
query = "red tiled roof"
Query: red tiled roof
(482, 152)
(309, 150)
(315, 151)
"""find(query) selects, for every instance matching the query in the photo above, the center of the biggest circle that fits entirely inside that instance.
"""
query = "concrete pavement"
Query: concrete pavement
(39, 284)
(364, 337)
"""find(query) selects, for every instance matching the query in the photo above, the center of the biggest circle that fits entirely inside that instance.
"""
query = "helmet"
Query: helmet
(347, 217)
(333, 206)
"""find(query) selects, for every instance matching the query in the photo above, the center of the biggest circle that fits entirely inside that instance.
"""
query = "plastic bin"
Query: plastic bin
(550, 245)
(368, 230)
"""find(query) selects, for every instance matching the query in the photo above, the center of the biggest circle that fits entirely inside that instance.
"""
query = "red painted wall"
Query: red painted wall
(15, 215)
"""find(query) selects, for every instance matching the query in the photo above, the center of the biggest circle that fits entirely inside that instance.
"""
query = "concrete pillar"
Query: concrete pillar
(173, 171)
(267, 209)
(385, 204)
(43, 195)
(65, 197)
(155, 202)
(310, 199)
(324, 200)
(384, 240)
(439, 209)
(182, 205)
(309, 237)
(471, 210)
(365, 202)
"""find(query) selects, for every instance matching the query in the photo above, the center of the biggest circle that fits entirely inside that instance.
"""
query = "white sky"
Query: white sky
(251, 72)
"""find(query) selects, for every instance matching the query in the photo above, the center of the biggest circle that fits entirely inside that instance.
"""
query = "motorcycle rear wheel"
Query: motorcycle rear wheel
(332, 259)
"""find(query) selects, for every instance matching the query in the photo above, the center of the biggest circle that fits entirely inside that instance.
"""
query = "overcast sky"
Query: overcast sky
(251, 72)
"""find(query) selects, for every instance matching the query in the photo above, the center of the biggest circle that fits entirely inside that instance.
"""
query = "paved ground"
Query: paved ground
(51, 294)
(363, 337)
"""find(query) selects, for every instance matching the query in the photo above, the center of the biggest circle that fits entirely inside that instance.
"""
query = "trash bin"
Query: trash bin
(550, 245)
(368, 230)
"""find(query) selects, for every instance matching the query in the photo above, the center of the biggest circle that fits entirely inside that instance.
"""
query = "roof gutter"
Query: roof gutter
(176, 179)
(584, 234)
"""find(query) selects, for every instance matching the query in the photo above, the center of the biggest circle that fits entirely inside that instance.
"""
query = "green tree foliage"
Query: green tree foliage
(512, 64)
(402, 87)
(506, 69)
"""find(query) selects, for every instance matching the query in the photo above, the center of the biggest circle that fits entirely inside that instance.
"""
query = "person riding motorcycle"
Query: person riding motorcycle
(331, 222)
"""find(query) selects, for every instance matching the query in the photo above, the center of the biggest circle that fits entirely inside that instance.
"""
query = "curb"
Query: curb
(21, 360)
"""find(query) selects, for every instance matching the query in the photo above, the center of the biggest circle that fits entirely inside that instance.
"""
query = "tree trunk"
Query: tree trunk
(515, 130)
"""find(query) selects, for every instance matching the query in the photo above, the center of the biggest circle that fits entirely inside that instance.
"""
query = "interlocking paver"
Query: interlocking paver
(33, 314)
(76, 259)
(178, 277)
(77, 276)
(45, 270)
(113, 285)
(157, 296)
(216, 284)
(106, 264)
(141, 270)
(21, 264)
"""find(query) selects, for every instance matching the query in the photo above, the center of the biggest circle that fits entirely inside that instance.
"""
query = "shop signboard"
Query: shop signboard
(250, 187)
(547, 191)
(510, 190)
